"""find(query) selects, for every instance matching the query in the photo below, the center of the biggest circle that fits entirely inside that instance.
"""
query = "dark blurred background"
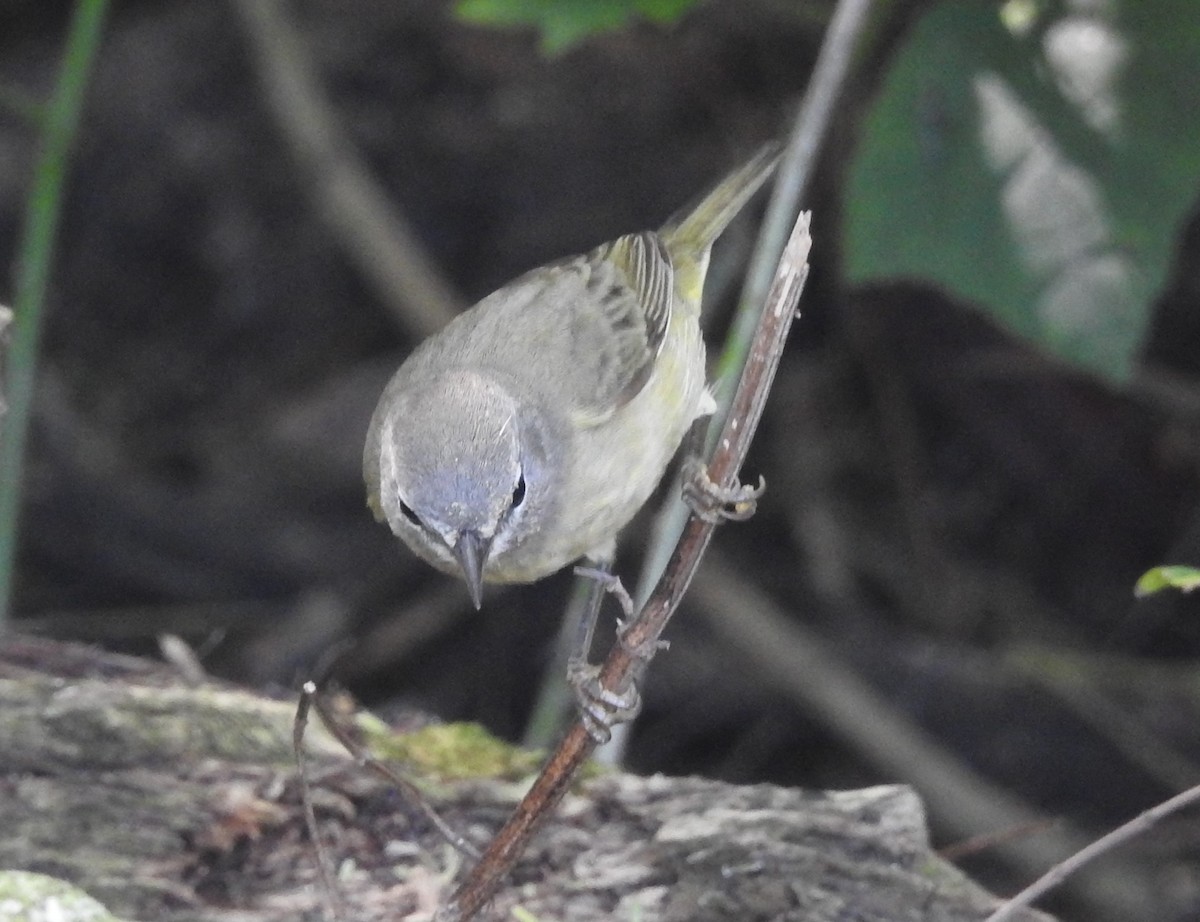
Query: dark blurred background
(957, 518)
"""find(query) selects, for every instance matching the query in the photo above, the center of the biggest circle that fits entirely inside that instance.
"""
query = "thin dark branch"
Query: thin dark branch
(797, 165)
(310, 698)
(1106, 843)
(329, 890)
(639, 641)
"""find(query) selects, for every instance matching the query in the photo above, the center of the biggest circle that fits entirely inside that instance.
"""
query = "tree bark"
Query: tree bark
(170, 801)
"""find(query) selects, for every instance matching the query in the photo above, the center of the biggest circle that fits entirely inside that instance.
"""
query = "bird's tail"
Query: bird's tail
(693, 232)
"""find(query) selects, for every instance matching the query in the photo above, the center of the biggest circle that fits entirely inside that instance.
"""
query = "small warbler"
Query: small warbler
(534, 426)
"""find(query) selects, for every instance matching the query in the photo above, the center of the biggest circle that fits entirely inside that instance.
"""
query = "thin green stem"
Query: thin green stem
(796, 168)
(795, 171)
(33, 268)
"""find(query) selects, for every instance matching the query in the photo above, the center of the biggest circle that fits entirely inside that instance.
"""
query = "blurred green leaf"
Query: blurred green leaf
(563, 23)
(1169, 577)
(1041, 171)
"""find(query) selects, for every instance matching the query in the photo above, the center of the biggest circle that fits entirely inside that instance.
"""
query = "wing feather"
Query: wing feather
(634, 284)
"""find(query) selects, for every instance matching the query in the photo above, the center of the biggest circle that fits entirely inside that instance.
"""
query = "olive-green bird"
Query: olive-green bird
(534, 426)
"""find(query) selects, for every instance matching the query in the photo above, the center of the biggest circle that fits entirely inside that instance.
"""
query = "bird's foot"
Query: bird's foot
(714, 503)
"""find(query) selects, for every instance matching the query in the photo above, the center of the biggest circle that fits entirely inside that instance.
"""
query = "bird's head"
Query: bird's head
(459, 466)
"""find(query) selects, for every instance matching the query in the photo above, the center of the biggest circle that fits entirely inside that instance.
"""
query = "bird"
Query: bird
(528, 432)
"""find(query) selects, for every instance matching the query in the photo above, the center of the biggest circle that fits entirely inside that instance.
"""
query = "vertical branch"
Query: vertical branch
(33, 268)
(796, 167)
(639, 641)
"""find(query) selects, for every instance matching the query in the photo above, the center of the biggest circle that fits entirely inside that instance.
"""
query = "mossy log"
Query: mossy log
(174, 801)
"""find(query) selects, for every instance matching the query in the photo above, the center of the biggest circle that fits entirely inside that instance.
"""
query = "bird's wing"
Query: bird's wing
(585, 331)
(629, 290)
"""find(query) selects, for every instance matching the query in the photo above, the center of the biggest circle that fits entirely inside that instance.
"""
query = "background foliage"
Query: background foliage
(1039, 163)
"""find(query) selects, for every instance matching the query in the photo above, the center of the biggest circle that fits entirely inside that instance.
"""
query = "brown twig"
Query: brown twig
(311, 700)
(639, 641)
(797, 166)
(1106, 843)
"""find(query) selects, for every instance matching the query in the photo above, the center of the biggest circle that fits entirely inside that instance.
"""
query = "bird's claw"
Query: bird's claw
(610, 583)
(714, 503)
(600, 708)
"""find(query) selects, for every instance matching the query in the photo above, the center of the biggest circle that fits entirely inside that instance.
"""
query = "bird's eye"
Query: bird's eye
(518, 495)
(406, 511)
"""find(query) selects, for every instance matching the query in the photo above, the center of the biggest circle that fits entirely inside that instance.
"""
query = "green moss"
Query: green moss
(449, 751)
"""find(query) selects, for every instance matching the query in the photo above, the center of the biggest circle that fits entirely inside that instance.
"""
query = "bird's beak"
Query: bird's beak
(471, 552)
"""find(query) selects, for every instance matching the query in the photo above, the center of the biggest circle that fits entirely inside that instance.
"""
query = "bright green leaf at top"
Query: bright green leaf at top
(1040, 169)
(564, 23)
(1169, 577)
